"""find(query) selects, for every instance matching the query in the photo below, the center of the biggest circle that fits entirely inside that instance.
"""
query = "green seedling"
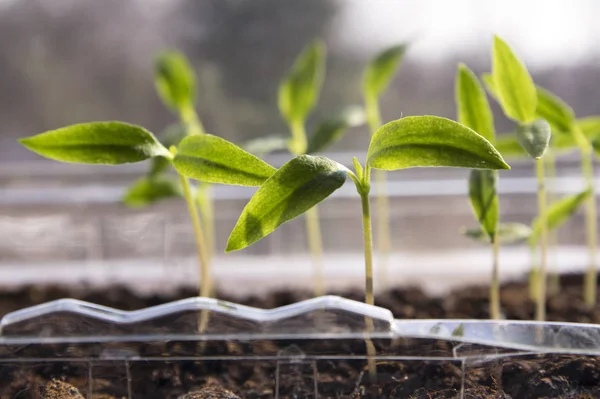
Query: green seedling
(514, 89)
(376, 79)
(299, 93)
(305, 181)
(474, 111)
(117, 143)
(570, 133)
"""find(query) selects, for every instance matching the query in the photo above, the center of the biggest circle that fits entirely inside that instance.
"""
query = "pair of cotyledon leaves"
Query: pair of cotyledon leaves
(284, 193)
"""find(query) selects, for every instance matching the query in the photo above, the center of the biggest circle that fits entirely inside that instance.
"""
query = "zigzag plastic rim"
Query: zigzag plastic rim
(525, 336)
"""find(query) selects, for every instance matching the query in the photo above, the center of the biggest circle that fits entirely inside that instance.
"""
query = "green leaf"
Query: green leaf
(262, 146)
(330, 131)
(171, 136)
(590, 126)
(174, 80)
(299, 90)
(97, 143)
(484, 199)
(212, 159)
(381, 70)
(534, 137)
(430, 141)
(513, 84)
(509, 147)
(558, 213)
(507, 233)
(559, 114)
(473, 107)
(146, 191)
(296, 187)
(490, 86)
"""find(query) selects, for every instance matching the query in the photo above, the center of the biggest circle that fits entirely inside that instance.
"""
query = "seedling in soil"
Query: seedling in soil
(474, 111)
(298, 95)
(376, 78)
(515, 91)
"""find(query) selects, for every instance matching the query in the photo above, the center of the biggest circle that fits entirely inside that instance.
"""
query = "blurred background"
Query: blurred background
(70, 61)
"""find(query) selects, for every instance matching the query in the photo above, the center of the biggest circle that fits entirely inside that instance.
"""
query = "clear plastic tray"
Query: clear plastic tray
(315, 348)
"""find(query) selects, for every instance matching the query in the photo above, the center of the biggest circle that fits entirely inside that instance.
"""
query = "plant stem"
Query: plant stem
(495, 286)
(316, 249)
(368, 245)
(190, 118)
(540, 312)
(204, 284)
(205, 206)
(587, 166)
(383, 224)
(299, 144)
(553, 277)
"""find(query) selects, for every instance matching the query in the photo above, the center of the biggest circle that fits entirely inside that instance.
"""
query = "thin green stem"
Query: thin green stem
(204, 284)
(205, 206)
(190, 118)
(299, 144)
(368, 244)
(495, 286)
(540, 312)
(382, 213)
(313, 229)
(553, 277)
(587, 166)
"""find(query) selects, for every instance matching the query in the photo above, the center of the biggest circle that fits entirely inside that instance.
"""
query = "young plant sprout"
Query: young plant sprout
(111, 143)
(569, 133)
(305, 181)
(376, 78)
(474, 111)
(298, 95)
(515, 91)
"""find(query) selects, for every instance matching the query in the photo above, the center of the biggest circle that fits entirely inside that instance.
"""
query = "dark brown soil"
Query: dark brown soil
(524, 376)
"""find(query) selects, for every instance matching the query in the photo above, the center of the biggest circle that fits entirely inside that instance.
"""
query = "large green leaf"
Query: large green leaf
(212, 159)
(262, 146)
(506, 233)
(380, 71)
(534, 137)
(509, 147)
(331, 130)
(97, 143)
(296, 187)
(558, 213)
(174, 80)
(171, 136)
(513, 84)
(430, 141)
(473, 107)
(299, 90)
(484, 199)
(146, 191)
(590, 126)
(559, 114)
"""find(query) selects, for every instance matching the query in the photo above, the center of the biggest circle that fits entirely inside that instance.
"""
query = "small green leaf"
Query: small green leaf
(490, 86)
(430, 141)
(146, 191)
(262, 146)
(296, 187)
(360, 172)
(554, 110)
(97, 143)
(381, 70)
(534, 137)
(509, 147)
(171, 136)
(558, 213)
(473, 107)
(174, 80)
(212, 159)
(330, 131)
(507, 233)
(484, 199)
(299, 90)
(513, 84)
(589, 126)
